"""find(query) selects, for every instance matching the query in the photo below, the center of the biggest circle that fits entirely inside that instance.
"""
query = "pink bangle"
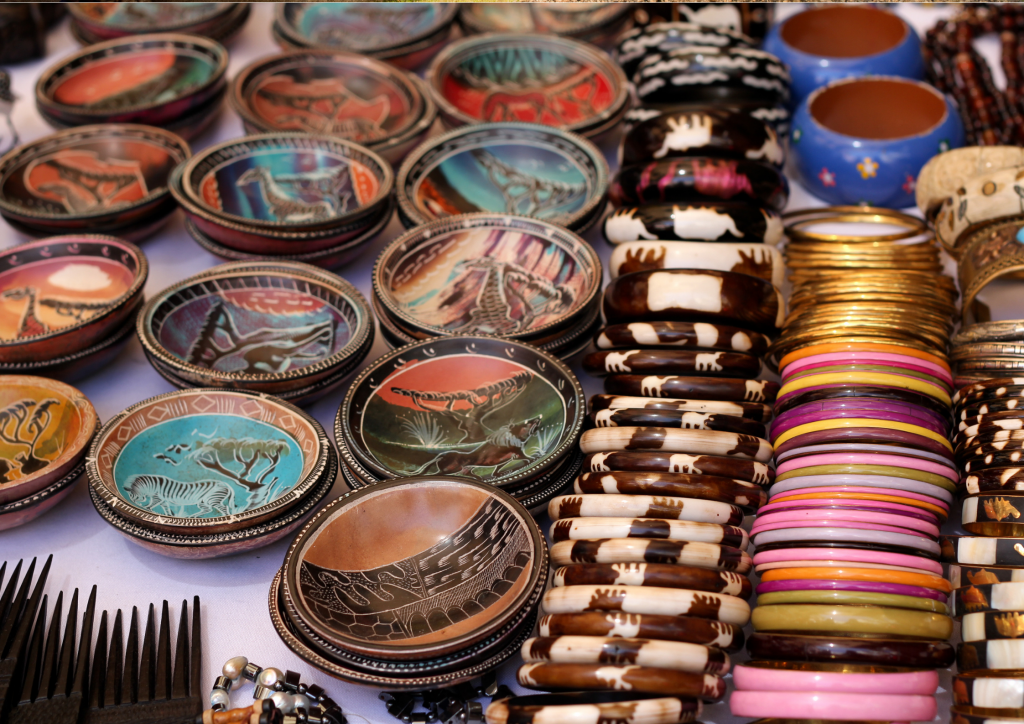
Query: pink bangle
(945, 376)
(757, 678)
(897, 461)
(860, 447)
(882, 483)
(831, 705)
(858, 489)
(867, 355)
(852, 516)
(838, 564)
(853, 555)
(856, 525)
(847, 502)
(780, 426)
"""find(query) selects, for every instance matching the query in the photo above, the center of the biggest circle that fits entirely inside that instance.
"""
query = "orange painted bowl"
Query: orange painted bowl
(65, 294)
(45, 431)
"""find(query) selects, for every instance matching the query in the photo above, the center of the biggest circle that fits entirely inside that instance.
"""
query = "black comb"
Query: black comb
(17, 613)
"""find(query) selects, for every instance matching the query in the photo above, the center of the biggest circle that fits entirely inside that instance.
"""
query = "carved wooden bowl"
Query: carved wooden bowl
(415, 568)
(95, 22)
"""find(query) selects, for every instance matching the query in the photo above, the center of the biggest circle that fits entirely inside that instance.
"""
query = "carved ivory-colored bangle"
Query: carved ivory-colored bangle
(692, 658)
(992, 625)
(640, 599)
(621, 678)
(725, 636)
(644, 506)
(667, 439)
(747, 496)
(659, 575)
(990, 690)
(593, 708)
(677, 530)
(988, 597)
(640, 550)
(982, 551)
(997, 655)
(760, 260)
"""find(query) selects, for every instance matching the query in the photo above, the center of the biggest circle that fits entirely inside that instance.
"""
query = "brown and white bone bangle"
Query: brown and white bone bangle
(648, 461)
(692, 658)
(641, 550)
(673, 418)
(641, 599)
(620, 707)
(669, 361)
(759, 260)
(747, 496)
(657, 528)
(748, 410)
(682, 334)
(726, 636)
(658, 575)
(667, 439)
(644, 506)
(692, 388)
(640, 679)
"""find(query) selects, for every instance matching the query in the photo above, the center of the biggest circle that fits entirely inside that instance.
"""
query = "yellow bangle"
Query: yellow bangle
(870, 378)
(874, 575)
(853, 598)
(892, 471)
(860, 346)
(859, 422)
(864, 620)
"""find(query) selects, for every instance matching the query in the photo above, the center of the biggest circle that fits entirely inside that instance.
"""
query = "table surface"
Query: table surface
(87, 551)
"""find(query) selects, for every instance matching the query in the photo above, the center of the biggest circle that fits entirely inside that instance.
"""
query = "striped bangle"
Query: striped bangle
(639, 599)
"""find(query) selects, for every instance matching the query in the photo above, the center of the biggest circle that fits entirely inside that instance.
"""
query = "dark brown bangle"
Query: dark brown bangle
(680, 334)
(653, 461)
(747, 496)
(606, 706)
(966, 575)
(1004, 654)
(692, 388)
(672, 361)
(988, 597)
(661, 575)
(992, 480)
(589, 677)
(884, 652)
(637, 417)
(689, 629)
(981, 551)
(748, 410)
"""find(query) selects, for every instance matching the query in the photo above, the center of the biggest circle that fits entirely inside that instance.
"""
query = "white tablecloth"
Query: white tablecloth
(234, 590)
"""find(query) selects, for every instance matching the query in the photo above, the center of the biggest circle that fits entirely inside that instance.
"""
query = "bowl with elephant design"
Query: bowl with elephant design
(207, 461)
(265, 326)
(415, 568)
(481, 407)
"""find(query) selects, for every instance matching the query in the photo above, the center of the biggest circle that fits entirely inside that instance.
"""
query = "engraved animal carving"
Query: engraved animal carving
(524, 194)
(23, 423)
(298, 197)
(173, 497)
(1010, 625)
(999, 509)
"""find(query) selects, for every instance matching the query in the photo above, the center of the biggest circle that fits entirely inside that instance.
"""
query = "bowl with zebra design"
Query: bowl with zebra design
(207, 461)
(514, 168)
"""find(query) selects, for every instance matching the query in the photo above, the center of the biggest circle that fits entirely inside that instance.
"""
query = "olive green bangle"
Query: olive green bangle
(854, 598)
(888, 470)
(852, 620)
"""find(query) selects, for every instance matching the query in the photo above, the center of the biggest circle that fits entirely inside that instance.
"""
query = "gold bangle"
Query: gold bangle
(794, 221)
(990, 251)
(870, 620)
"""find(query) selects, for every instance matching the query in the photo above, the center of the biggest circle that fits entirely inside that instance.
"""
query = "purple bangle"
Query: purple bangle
(862, 403)
(937, 394)
(760, 678)
(860, 447)
(865, 356)
(759, 527)
(857, 489)
(882, 483)
(796, 536)
(898, 461)
(945, 377)
(828, 705)
(851, 516)
(778, 427)
(851, 555)
(900, 589)
(855, 434)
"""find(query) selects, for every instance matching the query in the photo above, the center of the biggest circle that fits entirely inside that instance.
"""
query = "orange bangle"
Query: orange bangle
(942, 513)
(830, 347)
(924, 580)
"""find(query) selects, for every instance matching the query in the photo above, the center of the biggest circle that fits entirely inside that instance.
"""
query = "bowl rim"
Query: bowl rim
(422, 115)
(538, 574)
(383, 171)
(430, 232)
(237, 269)
(219, 13)
(576, 49)
(473, 25)
(24, 153)
(908, 34)
(600, 178)
(129, 43)
(134, 290)
(145, 518)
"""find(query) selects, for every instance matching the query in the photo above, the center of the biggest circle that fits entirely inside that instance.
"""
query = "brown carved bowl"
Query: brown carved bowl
(27, 509)
(45, 430)
(415, 568)
(65, 294)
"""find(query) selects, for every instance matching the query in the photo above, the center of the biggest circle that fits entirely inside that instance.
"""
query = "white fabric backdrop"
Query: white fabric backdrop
(234, 590)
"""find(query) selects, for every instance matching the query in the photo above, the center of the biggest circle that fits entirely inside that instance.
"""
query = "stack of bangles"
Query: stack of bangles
(986, 566)
(853, 612)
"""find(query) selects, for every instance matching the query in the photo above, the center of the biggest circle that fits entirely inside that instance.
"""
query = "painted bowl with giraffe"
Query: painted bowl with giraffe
(66, 294)
(337, 94)
(507, 276)
(95, 179)
(207, 461)
(155, 79)
(864, 140)
(45, 431)
(514, 168)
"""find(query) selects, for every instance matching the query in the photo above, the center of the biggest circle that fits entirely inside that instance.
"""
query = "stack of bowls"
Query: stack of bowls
(412, 584)
(67, 303)
(107, 179)
(46, 428)
(285, 197)
(168, 80)
(485, 408)
(285, 329)
(501, 77)
(333, 93)
(985, 565)
(96, 22)
(521, 279)
(235, 471)
(597, 23)
(852, 604)
(403, 35)
(513, 168)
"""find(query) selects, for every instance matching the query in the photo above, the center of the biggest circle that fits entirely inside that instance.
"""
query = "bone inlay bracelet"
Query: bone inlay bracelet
(756, 259)
(672, 361)
(833, 706)
(725, 636)
(644, 506)
(659, 575)
(665, 439)
(990, 690)
(667, 462)
(594, 708)
(673, 418)
(705, 487)
(967, 574)
(682, 334)
(674, 530)
(837, 678)
(992, 625)
(988, 597)
(982, 551)
(693, 388)
(640, 599)
(993, 479)
(693, 658)
(749, 410)
(840, 620)
(640, 550)
(621, 678)
(999, 655)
